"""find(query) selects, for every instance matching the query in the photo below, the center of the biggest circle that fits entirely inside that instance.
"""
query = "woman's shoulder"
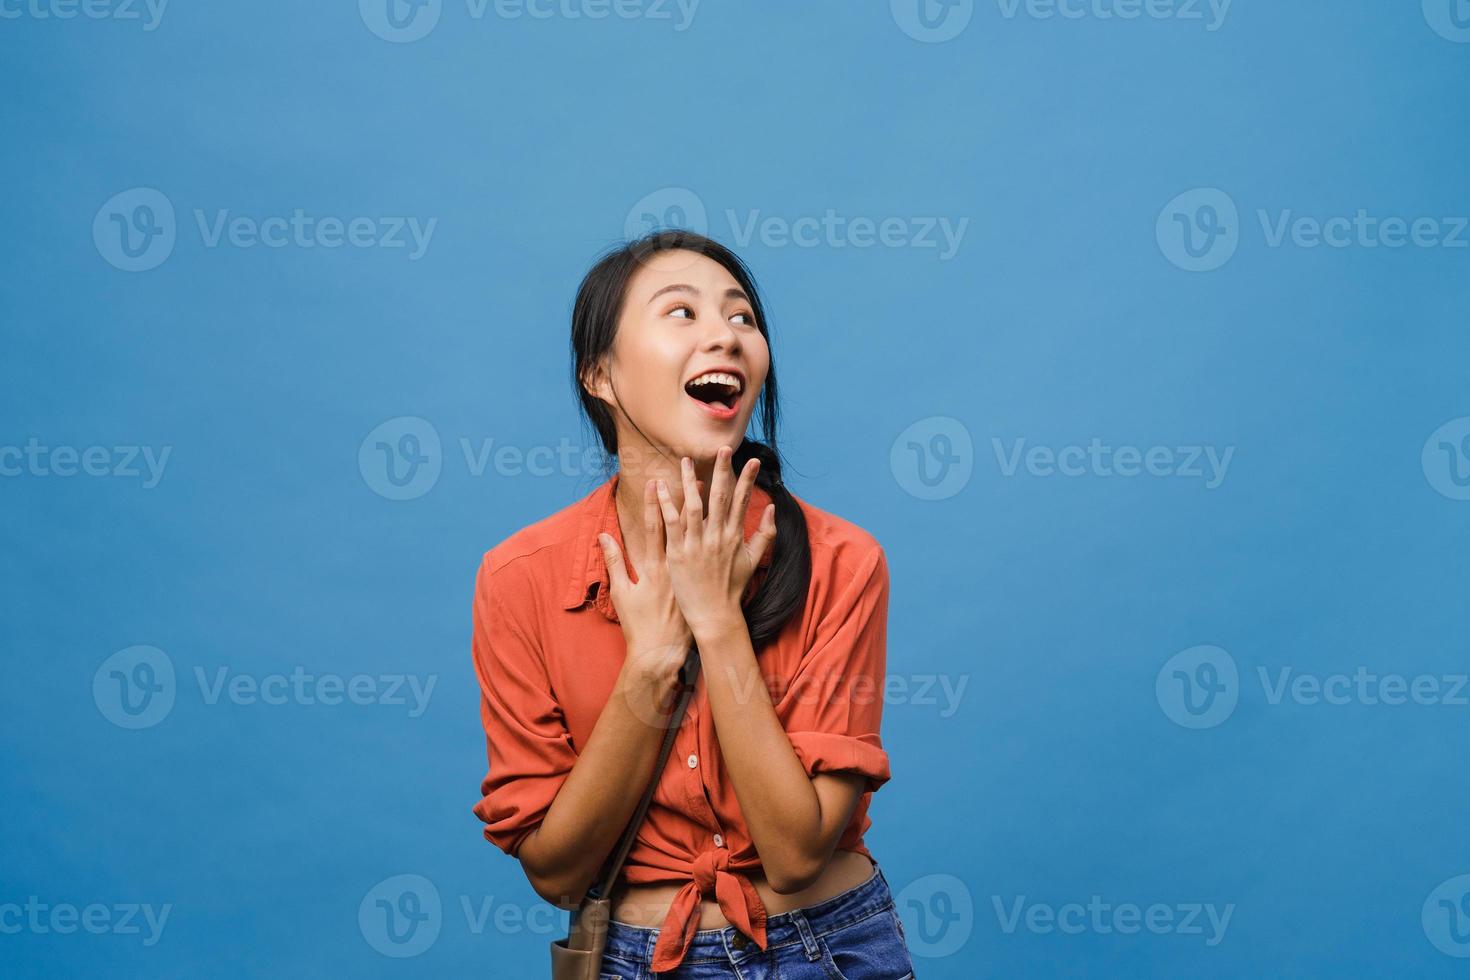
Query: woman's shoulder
(544, 545)
(841, 547)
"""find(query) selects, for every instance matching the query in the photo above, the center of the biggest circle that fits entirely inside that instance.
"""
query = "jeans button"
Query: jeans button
(739, 941)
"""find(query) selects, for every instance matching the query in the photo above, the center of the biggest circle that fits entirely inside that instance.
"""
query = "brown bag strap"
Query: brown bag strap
(690, 674)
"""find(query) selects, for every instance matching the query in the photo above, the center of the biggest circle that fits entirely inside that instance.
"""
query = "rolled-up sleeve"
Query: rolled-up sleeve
(834, 707)
(529, 749)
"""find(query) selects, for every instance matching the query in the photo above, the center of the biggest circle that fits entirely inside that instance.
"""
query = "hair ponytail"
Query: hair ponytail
(783, 592)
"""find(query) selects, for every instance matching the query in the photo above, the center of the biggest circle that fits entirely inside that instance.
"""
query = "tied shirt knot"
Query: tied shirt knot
(737, 897)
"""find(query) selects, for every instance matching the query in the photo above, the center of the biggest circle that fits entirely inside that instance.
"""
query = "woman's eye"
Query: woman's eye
(745, 319)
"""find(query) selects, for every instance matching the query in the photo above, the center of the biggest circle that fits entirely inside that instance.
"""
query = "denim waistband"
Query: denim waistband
(795, 926)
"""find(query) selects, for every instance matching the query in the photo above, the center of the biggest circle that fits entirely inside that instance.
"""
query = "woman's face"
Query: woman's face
(684, 316)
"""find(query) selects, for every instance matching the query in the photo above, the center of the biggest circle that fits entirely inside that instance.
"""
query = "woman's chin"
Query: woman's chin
(704, 449)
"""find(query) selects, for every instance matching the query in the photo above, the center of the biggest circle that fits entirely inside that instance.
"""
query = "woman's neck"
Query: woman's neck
(651, 466)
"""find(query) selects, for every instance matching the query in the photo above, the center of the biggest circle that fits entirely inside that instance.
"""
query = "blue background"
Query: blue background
(269, 545)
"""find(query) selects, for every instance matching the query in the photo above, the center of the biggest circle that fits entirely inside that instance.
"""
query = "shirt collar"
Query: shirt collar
(599, 514)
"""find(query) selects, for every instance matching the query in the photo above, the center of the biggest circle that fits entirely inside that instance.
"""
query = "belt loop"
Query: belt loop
(808, 941)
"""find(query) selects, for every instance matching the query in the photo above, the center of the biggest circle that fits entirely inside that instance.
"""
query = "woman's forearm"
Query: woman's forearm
(591, 810)
(781, 807)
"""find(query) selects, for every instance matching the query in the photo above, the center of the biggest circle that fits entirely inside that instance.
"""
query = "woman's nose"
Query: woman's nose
(721, 334)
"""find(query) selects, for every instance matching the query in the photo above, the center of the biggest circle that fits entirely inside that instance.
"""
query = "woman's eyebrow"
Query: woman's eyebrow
(731, 293)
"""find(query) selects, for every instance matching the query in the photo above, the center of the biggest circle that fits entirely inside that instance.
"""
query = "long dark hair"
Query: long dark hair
(595, 317)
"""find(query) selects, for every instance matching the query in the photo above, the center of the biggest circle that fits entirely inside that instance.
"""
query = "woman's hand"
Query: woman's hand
(710, 563)
(654, 630)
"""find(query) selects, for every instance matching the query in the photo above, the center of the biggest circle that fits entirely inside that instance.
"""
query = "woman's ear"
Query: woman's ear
(595, 381)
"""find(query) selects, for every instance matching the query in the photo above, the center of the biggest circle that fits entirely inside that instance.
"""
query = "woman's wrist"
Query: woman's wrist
(647, 694)
(718, 625)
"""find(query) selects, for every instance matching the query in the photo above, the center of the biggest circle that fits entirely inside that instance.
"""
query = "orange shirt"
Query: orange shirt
(547, 650)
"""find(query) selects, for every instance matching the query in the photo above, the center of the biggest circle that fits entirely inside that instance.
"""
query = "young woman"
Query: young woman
(751, 854)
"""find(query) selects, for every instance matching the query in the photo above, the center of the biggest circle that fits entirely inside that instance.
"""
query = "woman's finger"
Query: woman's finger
(653, 523)
(612, 556)
(743, 489)
(693, 506)
(673, 532)
(764, 536)
(719, 496)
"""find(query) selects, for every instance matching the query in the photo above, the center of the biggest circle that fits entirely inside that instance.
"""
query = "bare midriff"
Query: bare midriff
(647, 905)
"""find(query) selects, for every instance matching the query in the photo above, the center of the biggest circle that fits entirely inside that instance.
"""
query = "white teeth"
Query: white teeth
(716, 377)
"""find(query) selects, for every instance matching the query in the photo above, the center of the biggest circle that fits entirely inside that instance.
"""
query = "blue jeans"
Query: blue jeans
(855, 935)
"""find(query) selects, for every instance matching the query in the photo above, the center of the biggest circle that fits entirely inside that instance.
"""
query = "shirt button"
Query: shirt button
(719, 841)
(693, 760)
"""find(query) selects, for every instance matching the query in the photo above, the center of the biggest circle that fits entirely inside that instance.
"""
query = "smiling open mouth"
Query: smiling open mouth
(716, 389)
